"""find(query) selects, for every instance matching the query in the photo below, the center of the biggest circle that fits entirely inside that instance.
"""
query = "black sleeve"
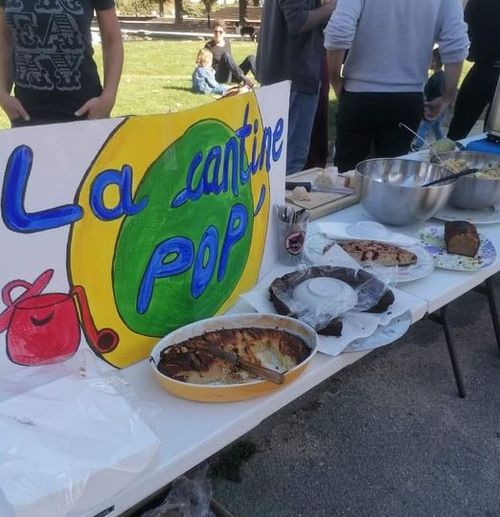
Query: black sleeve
(102, 5)
(470, 11)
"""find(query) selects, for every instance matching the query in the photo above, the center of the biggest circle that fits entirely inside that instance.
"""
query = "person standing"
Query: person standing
(390, 47)
(478, 87)
(46, 53)
(318, 146)
(291, 48)
(226, 68)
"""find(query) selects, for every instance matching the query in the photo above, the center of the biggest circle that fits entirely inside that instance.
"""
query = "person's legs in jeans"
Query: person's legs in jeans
(436, 127)
(248, 65)
(300, 122)
(394, 108)
(354, 132)
(423, 129)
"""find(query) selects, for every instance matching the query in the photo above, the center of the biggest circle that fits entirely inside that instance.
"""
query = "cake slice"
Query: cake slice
(380, 253)
(461, 238)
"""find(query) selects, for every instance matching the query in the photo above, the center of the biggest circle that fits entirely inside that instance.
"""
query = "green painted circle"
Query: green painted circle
(172, 304)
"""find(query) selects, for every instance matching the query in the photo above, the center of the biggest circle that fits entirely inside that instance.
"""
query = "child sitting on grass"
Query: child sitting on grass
(204, 75)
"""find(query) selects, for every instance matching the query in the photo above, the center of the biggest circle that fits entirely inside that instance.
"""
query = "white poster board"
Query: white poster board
(116, 232)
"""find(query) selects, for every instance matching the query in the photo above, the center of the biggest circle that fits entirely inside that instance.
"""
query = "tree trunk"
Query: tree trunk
(243, 11)
(161, 8)
(179, 11)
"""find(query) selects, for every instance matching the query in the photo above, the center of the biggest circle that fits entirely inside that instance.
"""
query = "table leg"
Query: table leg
(490, 293)
(442, 319)
(488, 290)
(452, 352)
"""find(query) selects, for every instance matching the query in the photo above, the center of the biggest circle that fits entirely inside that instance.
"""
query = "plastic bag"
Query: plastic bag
(319, 295)
(188, 497)
(72, 437)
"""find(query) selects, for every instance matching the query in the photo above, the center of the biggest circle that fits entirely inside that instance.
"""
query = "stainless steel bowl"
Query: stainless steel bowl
(473, 192)
(391, 190)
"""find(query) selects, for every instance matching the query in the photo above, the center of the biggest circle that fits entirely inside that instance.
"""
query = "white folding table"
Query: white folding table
(191, 432)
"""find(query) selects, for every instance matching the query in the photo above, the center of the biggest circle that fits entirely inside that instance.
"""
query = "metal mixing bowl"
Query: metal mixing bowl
(473, 192)
(391, 190)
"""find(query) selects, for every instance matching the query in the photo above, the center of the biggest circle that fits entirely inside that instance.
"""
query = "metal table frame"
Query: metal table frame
(441, 317)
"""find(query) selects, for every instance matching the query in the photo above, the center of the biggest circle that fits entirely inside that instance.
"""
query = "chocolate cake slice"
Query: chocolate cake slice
(461, 238)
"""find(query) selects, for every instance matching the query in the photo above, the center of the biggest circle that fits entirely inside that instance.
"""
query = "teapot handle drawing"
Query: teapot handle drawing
(31, 290)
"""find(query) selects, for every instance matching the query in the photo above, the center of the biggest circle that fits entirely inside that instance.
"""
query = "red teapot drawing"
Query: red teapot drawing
(45, 328)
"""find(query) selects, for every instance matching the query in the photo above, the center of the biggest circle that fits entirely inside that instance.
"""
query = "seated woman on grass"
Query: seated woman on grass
(204, 75)
(226, 68)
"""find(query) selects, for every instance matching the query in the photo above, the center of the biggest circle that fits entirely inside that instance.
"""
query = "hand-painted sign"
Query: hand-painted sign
(142, 224)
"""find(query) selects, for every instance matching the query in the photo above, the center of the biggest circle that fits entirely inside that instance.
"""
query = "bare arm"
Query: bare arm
(319, 16)
(112, 53)
(5, 56)
(452, 72)
(12, 107)
(299, 18)
(335, 60)
(339, 35)
(453, 48)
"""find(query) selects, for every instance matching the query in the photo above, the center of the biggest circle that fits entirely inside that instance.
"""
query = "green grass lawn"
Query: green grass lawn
(157, 77)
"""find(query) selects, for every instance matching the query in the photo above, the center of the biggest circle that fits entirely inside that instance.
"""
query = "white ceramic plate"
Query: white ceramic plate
(432, 239)
(315, 245)
(355, 326)
(489, 215)
(384, 335)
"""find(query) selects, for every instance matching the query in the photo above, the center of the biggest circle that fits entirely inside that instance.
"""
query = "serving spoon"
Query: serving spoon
(424, 141)
(455, 176)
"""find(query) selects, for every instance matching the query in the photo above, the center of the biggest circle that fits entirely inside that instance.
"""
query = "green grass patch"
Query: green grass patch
(157, 78)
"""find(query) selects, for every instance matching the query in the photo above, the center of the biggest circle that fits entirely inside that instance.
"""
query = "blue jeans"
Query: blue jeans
(300, 123)
(425, 127)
